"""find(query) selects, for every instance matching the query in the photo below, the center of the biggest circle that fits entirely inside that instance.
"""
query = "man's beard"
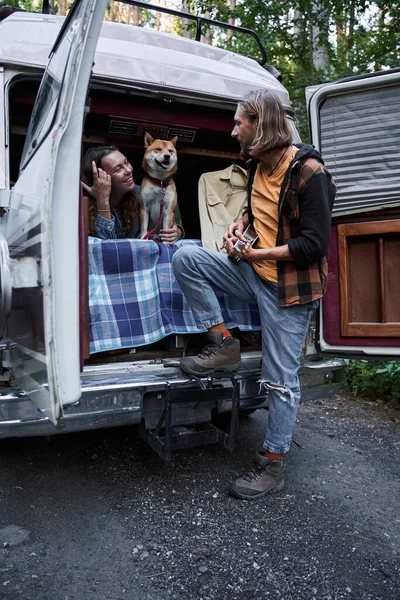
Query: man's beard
(245, 151)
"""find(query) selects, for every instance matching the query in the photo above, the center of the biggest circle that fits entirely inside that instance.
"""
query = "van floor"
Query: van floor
(249, 340)
(130, 355)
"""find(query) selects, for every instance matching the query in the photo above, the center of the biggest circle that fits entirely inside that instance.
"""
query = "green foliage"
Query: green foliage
(28, 5)
(359, 36)
(34, 5)
(374, 380)
(352, 36)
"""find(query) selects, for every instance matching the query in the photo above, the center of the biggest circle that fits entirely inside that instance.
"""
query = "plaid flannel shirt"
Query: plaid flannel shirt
(301, 280)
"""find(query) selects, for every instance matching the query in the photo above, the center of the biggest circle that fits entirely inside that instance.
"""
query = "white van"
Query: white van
(109, 83)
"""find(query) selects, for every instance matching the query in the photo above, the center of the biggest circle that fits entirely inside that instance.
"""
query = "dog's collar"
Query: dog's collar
(161, 182)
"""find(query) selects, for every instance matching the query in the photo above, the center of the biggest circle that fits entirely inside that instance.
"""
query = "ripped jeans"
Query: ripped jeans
(198, 272)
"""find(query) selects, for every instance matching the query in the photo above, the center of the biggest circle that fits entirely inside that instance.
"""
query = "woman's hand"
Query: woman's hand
(101, 188)
(170, 236)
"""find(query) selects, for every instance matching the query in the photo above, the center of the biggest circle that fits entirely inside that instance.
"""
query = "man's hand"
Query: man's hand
(234, 233)
(170, 236)
(250, 253)
(101, 188)
(277, 253)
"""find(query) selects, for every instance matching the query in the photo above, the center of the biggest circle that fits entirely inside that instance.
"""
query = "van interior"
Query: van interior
(121, 118)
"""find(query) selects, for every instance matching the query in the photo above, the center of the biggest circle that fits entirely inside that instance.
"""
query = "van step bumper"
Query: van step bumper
(20, 417)
(114, 397)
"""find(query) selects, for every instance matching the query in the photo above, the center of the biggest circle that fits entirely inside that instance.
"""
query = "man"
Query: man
(290, 198)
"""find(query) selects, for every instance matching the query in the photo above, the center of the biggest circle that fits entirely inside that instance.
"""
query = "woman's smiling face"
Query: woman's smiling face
(120, 171)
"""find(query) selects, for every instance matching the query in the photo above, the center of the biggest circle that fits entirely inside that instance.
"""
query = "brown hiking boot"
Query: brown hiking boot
(265, 478)
(220, 355)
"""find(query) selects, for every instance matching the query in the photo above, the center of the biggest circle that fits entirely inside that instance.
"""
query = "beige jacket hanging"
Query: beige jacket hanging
(222, 200)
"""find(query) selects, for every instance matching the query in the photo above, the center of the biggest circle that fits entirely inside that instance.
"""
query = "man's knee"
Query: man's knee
(182, 258)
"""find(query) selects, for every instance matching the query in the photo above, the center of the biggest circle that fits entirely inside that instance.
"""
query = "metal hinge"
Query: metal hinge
(5, 361)
(312, 335)
(5, 196)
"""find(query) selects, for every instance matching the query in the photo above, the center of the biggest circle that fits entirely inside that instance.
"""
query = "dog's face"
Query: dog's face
(160, 157)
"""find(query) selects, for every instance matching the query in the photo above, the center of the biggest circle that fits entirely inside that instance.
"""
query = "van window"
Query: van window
(367, 178)
(48, 95)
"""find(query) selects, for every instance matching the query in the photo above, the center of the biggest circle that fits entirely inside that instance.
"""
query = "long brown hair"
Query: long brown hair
(128, 207)
(273, 129)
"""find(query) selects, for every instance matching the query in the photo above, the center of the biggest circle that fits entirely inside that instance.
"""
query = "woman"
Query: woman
(113, 207)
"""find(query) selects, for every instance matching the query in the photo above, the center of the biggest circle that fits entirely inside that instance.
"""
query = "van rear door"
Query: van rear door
(355, 125)
(42, 222)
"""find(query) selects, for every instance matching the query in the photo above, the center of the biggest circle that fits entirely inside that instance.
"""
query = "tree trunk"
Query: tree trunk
(208, 37)
(299, 30)
(52, 8)
(341, 39)
(319, 36)
(232, 19)
(135, 15)
(350, 37)
(165, 18)
(186, 22)
(62, 7)
(121, 13)
(158, 17)
(112, 11)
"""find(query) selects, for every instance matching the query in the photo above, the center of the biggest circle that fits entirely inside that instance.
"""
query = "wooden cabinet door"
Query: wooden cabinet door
(369, 275)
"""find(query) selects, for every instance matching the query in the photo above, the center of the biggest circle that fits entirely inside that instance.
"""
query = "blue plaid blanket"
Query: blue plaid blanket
(134, 298)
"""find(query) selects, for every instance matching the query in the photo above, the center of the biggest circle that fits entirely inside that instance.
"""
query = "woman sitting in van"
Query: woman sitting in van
(112, 193)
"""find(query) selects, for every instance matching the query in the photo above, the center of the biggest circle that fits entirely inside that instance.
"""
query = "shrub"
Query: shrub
(374, 380)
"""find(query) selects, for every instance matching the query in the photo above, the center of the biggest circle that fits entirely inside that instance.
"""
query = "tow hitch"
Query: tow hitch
(165, 438)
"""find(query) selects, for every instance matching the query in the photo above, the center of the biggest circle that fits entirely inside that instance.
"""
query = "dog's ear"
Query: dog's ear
(174, 140)
(148, 140)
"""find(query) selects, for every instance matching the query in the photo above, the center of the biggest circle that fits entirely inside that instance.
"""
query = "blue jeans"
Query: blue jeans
(198, 272)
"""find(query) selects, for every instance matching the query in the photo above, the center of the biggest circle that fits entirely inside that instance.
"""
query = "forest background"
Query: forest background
(307, 41)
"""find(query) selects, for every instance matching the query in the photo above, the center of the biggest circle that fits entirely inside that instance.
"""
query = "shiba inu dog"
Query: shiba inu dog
(158, 197)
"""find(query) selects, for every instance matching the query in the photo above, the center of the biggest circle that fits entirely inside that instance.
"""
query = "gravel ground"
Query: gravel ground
(99, 516)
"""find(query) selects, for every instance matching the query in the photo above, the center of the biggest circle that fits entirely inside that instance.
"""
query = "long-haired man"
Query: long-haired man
(290, 198)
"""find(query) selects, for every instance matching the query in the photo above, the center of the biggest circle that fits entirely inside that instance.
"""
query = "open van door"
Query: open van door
(41, 227)
(355, 125)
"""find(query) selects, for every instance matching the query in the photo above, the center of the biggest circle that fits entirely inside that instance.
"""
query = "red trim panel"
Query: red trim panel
(170, 114)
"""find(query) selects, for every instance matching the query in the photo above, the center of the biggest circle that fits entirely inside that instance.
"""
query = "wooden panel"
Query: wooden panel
(364, 300)
(369, 255)
(391, 276)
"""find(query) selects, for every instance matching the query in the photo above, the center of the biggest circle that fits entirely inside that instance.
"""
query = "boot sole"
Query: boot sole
(227, 369)
(273, 490)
